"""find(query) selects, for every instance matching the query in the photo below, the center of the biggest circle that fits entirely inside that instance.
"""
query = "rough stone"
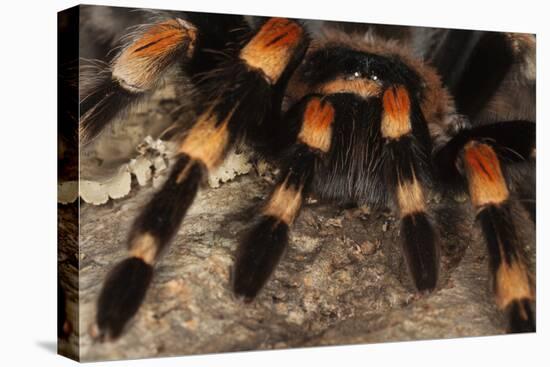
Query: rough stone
(336, 284)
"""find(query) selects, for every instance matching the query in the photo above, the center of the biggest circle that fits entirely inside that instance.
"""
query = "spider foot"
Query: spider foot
(258, 255)
(421, 251)
(122, 294)
(521, 317)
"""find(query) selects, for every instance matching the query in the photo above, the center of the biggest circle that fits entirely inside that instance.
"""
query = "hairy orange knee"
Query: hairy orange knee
(316, 129)
(284, 204)
(139, 66)
(485, 179)
(396, 116)
(271, 49)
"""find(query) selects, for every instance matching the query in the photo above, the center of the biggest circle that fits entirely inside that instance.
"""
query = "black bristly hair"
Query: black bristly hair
(338, 61)
(368, 139)
(505, 251)
(106, 101)
(218, 32)
(347, 174)
(161, 218)
(120, 298)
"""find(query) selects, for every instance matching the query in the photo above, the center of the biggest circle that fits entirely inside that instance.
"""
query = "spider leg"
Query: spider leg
(490, 196)
(491, 76)
(243, 94)
(134, 72)
(408, 172)
(126, 285)
(479, 157)
(515, 144)
(262, 248)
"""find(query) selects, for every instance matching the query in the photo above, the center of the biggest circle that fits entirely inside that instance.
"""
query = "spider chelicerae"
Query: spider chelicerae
(351, 114)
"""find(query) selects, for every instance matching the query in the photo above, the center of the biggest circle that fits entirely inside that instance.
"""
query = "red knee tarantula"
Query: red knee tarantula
(350, 114)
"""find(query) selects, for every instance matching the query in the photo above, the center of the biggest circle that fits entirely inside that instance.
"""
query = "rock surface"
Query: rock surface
(343, 279)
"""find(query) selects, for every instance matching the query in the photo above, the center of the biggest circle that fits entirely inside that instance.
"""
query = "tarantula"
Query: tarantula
(350, 114)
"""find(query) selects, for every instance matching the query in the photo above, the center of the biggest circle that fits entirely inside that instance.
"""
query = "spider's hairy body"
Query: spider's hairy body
(350, 117)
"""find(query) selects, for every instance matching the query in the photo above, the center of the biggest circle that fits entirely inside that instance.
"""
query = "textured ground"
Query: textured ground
(343, 280)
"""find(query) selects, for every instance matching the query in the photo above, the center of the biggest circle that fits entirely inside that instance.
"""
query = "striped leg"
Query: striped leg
(407, 172)
(261, 249)
(515, 142)
(134, 72)
(242, 97)
(490, 196)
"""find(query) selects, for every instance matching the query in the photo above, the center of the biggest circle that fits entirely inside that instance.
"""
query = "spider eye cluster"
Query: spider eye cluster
(338, 62)
(354, 75)
(362, 75)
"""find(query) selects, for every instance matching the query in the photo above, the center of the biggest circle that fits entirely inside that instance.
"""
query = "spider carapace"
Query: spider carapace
(349, 116)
